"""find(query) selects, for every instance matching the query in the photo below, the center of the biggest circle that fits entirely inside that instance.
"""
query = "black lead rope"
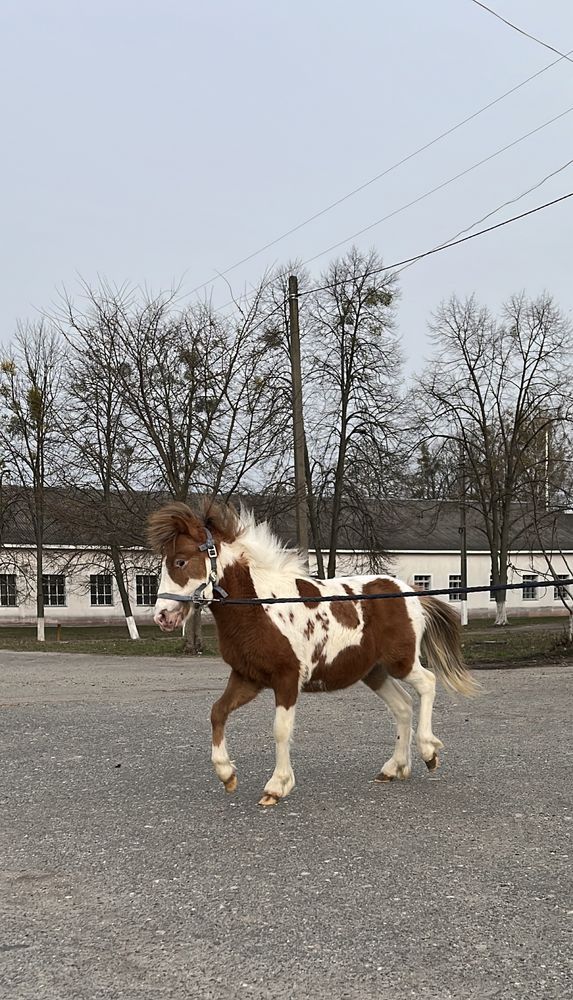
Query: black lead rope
(197, 598)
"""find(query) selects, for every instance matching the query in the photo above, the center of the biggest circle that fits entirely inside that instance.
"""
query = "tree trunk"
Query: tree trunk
(570, 637)
(40, 620)
(336, 506)
(313, 520)
(193, 632)
(501, 611)
(125, 602)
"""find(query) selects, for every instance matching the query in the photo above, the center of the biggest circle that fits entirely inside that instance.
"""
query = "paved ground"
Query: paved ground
(145, 881)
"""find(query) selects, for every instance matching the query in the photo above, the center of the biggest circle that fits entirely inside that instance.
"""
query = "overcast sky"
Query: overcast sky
(159, 141)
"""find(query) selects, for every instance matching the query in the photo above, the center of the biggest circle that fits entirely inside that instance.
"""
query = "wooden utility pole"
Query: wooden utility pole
(297, 419)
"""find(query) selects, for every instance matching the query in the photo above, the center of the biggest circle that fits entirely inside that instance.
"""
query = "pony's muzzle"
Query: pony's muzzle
(169, 618)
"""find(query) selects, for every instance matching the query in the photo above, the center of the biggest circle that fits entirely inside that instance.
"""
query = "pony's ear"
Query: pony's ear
(222, 520)
(166, 523)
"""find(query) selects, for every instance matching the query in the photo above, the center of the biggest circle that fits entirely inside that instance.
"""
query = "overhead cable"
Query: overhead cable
(383, 173)
(438, 187)
(443, 246)
(534, 38)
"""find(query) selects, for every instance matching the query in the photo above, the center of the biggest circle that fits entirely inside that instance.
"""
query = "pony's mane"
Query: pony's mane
(176, 518)
(164, 524)
(264, 550)
(261, 547)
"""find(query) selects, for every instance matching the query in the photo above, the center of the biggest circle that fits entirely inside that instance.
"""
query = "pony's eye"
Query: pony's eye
(180, 563)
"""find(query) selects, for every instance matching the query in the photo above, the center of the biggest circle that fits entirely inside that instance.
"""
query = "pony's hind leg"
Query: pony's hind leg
(399, 704)
(424, 683)
(281, 781)
(238, 692)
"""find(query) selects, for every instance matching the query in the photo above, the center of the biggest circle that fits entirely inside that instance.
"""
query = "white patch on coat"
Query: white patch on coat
(399, 704)
(168, 586)
(221, 760)
(281, 781)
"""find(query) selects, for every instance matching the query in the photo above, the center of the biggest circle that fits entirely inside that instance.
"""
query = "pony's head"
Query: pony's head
(177, 533)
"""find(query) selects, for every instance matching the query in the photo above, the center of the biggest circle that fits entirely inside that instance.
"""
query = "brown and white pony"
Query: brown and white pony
(307, 646)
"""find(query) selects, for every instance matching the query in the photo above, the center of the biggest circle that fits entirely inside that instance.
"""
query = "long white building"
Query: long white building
(421, 546)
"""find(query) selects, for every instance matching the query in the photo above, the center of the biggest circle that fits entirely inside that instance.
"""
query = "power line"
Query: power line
(411, 260)
(443, 246)
(510, 201)
(448, 242)
(383, 173)
(521, 31)
(439, 187)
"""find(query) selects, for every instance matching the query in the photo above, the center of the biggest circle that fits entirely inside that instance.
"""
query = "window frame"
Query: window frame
(140, 589)
(48, 582)
(565, 591)
(8, 590)
(106, 582)
(422, 576)
(531, 578)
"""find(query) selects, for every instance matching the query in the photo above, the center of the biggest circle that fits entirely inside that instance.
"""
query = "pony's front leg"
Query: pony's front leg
(238, 692)
(281, 781)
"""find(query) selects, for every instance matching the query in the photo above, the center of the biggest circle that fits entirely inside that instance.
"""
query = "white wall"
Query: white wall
(440, 565)
(77, 567)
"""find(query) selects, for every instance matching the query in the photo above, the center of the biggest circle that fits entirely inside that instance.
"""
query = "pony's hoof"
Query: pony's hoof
(384, 777)
(268, 800)
(433, 763)
(394, 771)
(231, 783)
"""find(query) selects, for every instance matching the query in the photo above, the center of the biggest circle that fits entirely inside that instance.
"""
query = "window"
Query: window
(529, 593)
(492, 593)
(101, 589)
(455, 580)
(146, 588)
(54, 587)
(561, 592)
(422, 581)
(7, 590)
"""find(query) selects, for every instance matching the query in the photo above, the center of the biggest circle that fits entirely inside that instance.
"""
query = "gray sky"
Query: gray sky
(158, 141)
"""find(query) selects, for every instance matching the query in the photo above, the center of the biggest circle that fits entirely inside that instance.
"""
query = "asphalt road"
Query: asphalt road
(127, 872)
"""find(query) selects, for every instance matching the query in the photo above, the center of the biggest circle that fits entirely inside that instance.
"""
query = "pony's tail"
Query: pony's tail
(441, 645)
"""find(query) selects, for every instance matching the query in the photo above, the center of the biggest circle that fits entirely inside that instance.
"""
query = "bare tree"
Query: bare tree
(435, 475)
(103, 456)
(186, 395)
(550, 474)
(30, 380)
(497, 388)
(354, 384)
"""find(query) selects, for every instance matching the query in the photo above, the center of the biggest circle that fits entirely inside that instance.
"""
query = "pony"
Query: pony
(305, 646)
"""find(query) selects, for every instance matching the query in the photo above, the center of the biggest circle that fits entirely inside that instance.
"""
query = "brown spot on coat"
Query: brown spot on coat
(309, 629)
(308, 589)
(345, 612)
(318, 656)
